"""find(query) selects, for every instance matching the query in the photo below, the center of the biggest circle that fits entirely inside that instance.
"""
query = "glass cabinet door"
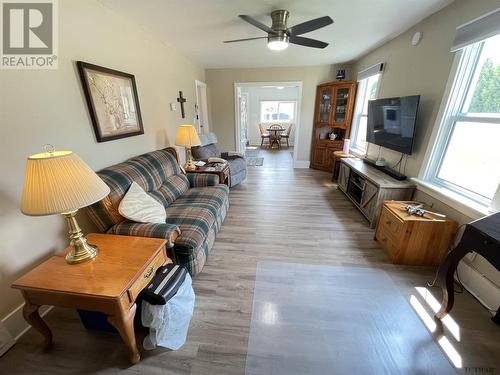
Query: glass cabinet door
(325, 104)
(341, 103)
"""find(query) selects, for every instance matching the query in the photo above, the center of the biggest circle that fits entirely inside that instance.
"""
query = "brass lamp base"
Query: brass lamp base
(82, 251)
(189, 162)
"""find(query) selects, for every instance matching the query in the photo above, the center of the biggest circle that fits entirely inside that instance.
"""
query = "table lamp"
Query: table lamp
(59, 182)
(187, 137)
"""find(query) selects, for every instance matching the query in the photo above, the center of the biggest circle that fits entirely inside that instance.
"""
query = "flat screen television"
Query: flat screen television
(392, 122)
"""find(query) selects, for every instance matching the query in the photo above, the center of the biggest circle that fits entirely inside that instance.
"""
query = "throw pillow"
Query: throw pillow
(139, 206)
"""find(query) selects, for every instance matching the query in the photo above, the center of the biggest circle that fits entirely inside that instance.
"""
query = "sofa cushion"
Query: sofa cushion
(171, 189)
(205, 152)
(195, 213)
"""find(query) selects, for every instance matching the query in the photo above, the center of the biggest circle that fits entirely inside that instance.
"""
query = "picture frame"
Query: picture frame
(112, 101)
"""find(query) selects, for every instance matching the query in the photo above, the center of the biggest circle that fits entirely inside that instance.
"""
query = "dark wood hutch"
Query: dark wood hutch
(333, 114)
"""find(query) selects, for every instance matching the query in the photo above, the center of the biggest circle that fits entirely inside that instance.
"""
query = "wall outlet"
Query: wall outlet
(6, 339)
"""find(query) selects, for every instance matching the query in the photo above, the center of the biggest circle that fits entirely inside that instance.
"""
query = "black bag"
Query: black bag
(164, 285)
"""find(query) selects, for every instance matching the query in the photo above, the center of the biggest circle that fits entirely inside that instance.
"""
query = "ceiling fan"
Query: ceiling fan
(279, 34)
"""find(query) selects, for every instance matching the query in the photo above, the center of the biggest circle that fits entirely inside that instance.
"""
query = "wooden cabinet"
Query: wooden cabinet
(413, 240)
(319, 155)
(333, 114)
(324, 102)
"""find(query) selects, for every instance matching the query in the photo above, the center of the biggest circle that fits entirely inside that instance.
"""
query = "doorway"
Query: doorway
(201, 108)
(260, 106)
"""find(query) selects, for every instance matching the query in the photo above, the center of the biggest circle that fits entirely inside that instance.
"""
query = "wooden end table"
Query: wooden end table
(221, 170)
(110, 283)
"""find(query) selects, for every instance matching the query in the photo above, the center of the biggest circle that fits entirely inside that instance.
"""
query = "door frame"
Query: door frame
(201, 84)
(297, 84)
(247, 96)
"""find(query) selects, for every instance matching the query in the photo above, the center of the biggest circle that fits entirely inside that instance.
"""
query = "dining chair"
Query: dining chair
(263, 135)
(275, 136)
(286, 136)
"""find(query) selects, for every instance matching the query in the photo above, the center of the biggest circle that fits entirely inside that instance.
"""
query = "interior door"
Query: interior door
(201, 108)
(243, 112)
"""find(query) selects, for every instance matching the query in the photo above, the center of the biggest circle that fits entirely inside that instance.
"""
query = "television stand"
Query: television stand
(367, 187)
(391, 172)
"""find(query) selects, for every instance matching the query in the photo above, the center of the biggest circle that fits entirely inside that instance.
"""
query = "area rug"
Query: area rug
(313, 319)
(255, 161)
(252, 152)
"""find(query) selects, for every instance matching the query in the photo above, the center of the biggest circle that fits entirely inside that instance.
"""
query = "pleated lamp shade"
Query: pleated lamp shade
(59, 182)
(187, 136)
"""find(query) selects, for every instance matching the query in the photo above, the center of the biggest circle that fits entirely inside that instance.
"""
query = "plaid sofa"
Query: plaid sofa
(195, 204)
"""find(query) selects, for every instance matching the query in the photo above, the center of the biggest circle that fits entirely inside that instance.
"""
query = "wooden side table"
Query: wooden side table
(221, 170)
(110, 283)
(413, 240)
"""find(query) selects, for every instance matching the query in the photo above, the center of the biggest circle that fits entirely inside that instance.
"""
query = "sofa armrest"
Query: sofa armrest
(233, 154)
(131, 228)
(202, 179)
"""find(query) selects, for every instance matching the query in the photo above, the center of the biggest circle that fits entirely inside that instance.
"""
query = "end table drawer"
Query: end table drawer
(390, 224)
(390, 244)
(144, 279)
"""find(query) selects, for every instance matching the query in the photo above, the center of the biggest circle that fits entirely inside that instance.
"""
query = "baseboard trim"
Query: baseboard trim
(15, 323)
(301, 164)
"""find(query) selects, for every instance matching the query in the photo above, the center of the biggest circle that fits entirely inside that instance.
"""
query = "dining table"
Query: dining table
(275, 135)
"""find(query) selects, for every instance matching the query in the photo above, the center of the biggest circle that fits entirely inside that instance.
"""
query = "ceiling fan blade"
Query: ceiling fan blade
(308, 42)
(256, 23)
(244, 40)
(311, 25)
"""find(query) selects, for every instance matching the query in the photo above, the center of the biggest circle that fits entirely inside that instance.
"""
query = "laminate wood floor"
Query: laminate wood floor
(278, 214)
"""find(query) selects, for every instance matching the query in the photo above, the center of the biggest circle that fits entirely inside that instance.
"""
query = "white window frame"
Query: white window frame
(358, 112)
(461, 78)
(279, 102)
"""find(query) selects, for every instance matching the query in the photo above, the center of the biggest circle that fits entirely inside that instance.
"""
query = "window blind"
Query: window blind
(476, 30)
(371, 71)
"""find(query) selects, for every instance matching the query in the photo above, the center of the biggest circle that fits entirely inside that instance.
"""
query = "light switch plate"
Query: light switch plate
(173, 106)
(6, 339)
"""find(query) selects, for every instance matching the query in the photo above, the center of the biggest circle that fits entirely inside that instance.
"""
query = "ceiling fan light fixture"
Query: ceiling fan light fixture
(277, 43)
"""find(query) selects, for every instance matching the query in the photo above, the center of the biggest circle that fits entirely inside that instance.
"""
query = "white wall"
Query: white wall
(221, 98)
(45, 106)
(255, 96)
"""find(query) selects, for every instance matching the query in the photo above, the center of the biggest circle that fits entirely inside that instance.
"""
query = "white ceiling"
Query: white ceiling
(198, 27)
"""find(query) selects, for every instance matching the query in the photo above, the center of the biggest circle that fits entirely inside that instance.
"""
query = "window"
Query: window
(271, 111)
(466, 155)
(367, 90)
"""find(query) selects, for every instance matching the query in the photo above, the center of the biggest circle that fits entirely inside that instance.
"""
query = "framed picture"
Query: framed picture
(112, 100)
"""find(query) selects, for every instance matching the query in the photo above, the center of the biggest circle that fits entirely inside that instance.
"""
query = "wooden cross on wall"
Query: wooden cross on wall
(182, 100)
